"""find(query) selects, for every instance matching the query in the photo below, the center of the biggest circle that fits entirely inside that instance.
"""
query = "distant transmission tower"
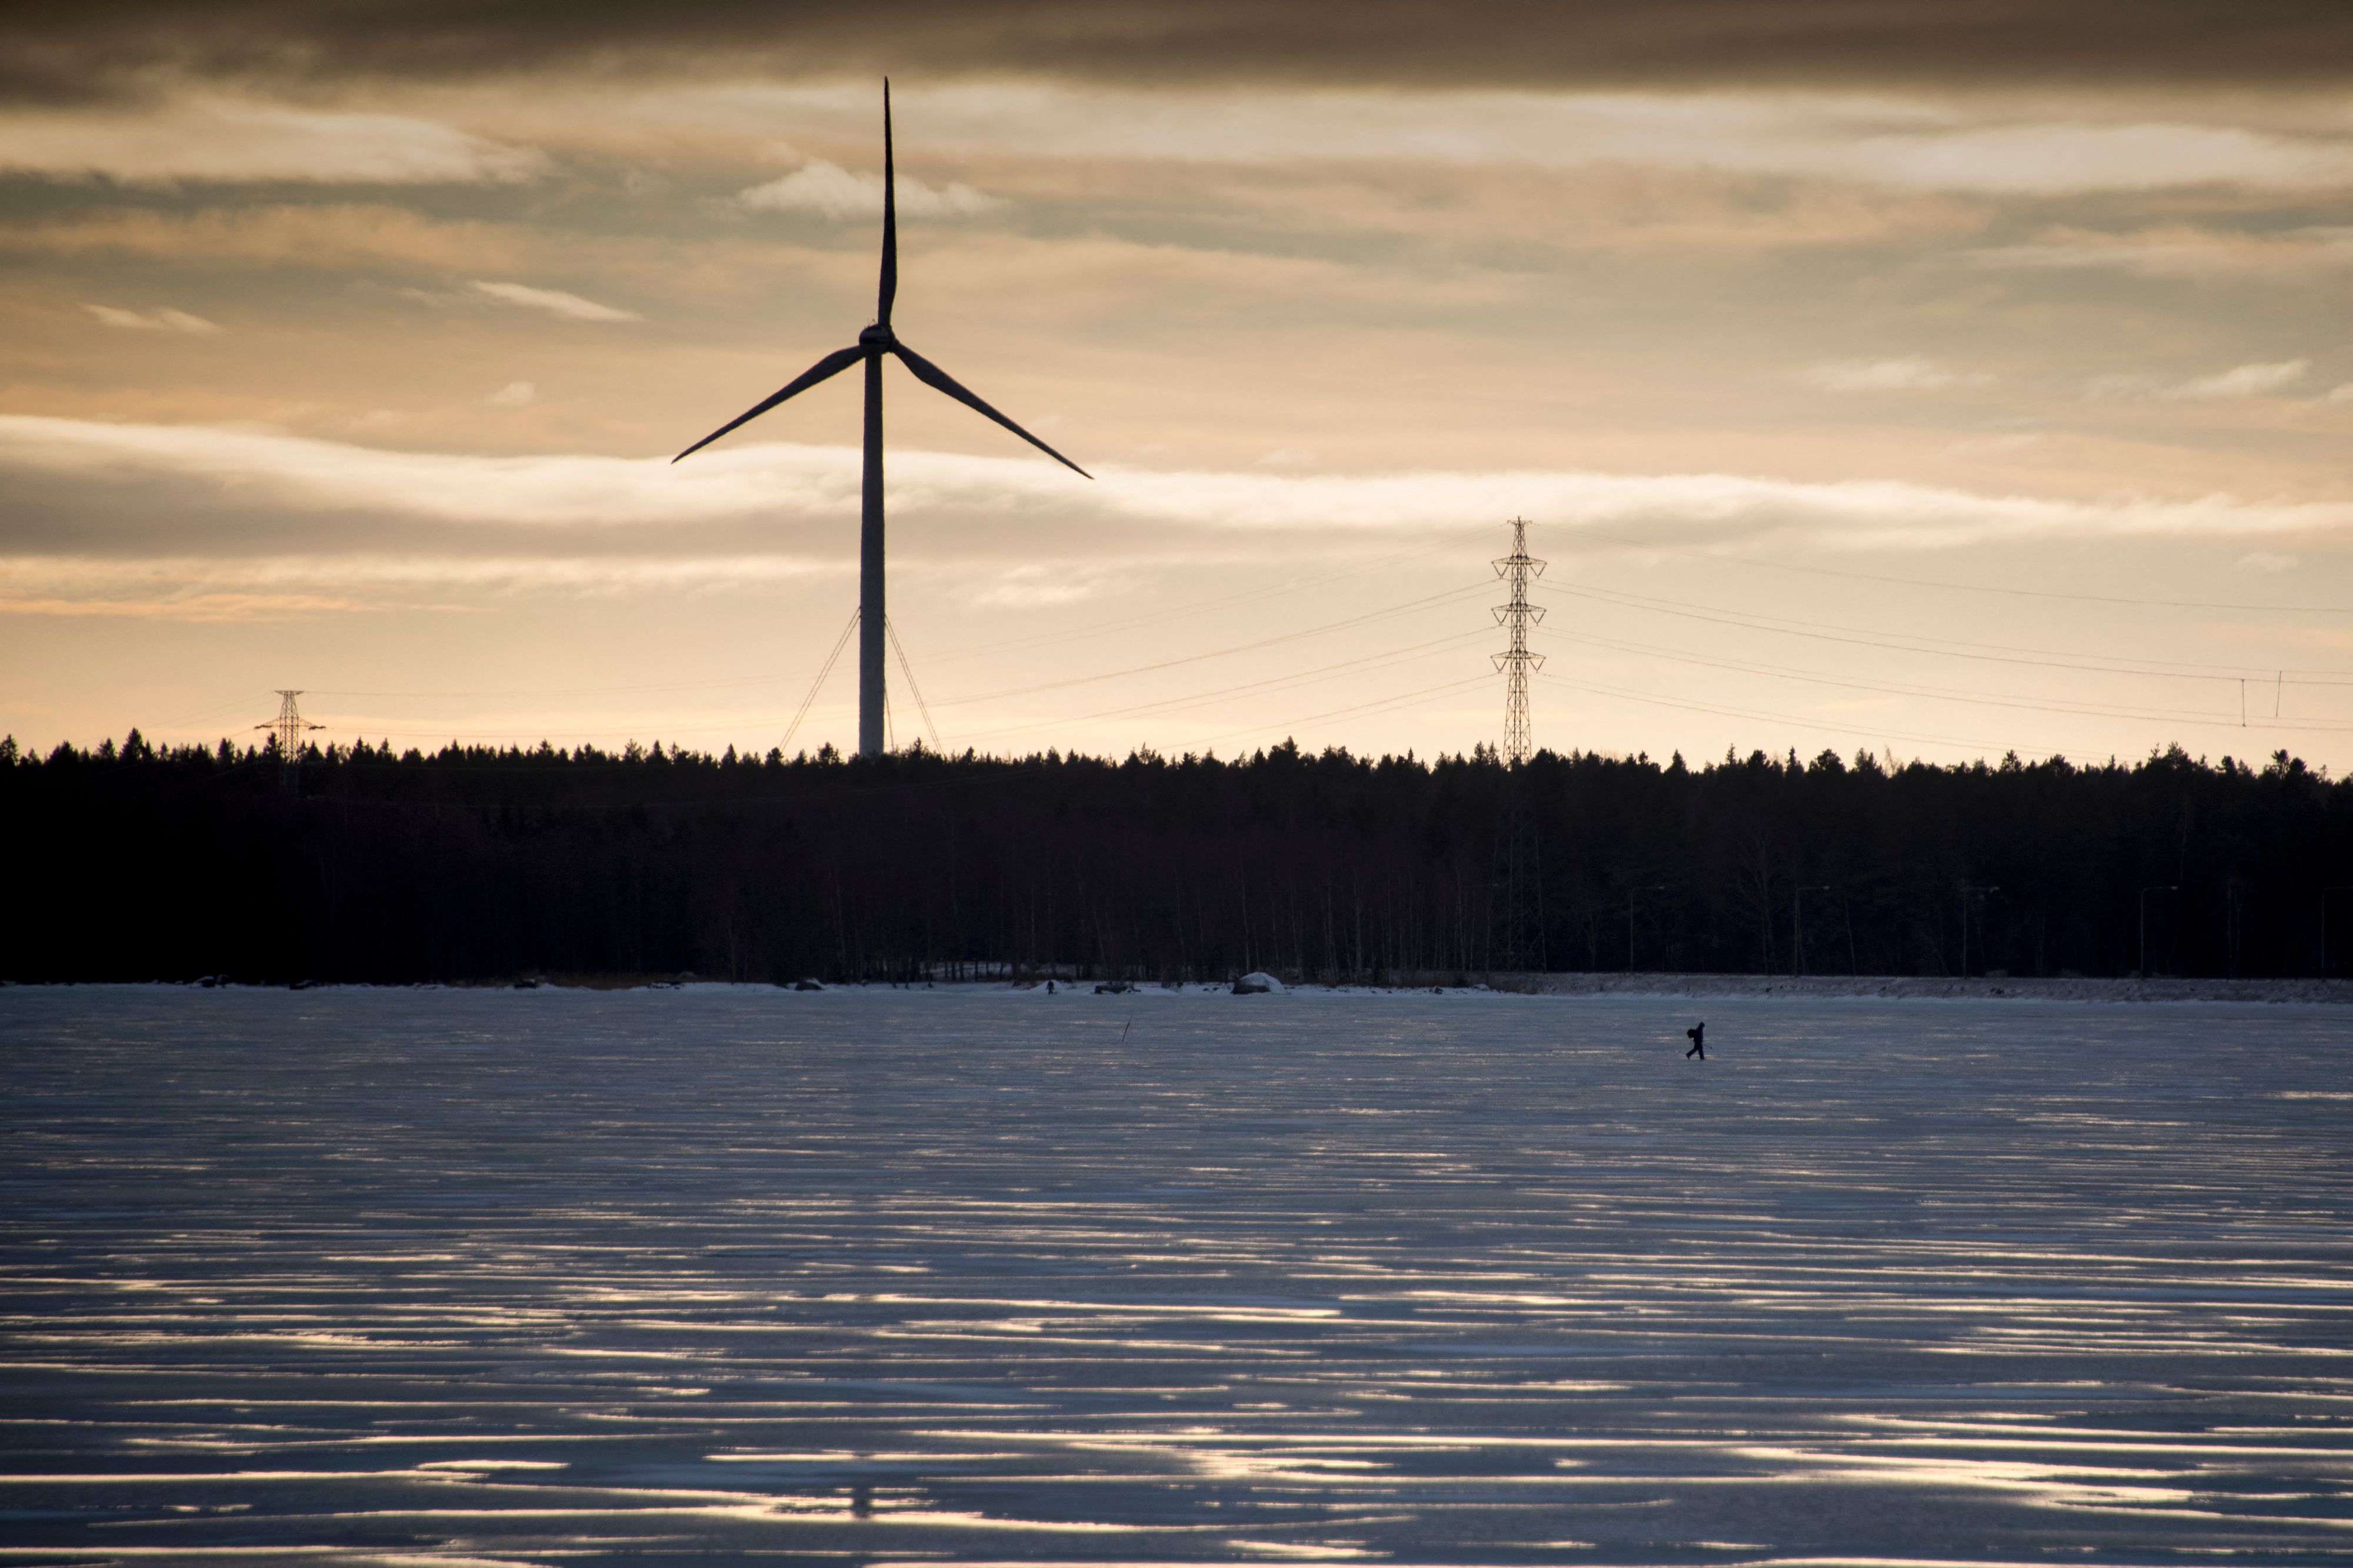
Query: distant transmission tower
(289, 727)
(1519, 853)
(1516, 662)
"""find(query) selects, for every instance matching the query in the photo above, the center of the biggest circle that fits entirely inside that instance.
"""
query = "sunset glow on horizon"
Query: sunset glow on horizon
(1953, 388)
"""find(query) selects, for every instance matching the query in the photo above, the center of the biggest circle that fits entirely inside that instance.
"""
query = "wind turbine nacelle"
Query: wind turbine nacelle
(878, 339)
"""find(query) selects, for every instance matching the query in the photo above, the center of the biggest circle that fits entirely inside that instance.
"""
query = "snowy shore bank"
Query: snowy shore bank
(1809, 987)
(1903, 987)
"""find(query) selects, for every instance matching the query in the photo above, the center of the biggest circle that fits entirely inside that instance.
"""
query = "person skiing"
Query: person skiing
(1697, 1036)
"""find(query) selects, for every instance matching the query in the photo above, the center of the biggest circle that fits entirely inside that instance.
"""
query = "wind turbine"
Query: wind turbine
(873, 344)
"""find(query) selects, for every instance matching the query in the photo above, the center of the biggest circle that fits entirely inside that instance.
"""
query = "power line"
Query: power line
(1378, 705)
(1945, 694)
(553, 691)
(1409, 606)
(1971, 587)
(1725, 710)
(1853, 637)
(1120, 623)
(1995, 653)
(217, 709)
(1125, 623)
(1203, 698)
(1177, 703)
(1368, 617)
(1387, 656)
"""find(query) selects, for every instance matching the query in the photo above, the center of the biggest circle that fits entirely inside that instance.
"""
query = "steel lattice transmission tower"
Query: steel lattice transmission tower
(1519, 855)
(1516, 662)
(289, 728)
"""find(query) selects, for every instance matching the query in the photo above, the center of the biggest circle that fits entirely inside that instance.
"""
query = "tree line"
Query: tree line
(355, 863)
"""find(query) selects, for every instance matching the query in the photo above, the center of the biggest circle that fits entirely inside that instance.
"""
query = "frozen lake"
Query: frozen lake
(557, 1275)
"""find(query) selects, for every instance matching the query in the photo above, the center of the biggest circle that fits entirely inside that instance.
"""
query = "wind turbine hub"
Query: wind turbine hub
(877, 336)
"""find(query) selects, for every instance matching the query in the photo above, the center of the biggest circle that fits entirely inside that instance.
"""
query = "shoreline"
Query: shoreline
(1916, 987)
(1572, 985)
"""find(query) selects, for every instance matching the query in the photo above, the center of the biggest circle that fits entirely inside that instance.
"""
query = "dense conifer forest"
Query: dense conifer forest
(137, 863)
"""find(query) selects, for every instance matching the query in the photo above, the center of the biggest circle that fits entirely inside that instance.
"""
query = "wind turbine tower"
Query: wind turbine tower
(873, 344)
(1516, 661)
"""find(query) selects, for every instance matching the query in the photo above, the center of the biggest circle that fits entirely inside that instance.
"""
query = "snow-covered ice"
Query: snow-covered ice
(555, 1275)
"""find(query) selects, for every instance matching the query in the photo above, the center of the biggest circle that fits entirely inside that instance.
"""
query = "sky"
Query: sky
(1940, 380)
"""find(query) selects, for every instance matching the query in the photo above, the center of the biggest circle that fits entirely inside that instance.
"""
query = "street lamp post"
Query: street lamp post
(2145, 892)
(1651, 887)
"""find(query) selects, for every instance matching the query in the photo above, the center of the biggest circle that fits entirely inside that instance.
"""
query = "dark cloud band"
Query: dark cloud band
(69, 49)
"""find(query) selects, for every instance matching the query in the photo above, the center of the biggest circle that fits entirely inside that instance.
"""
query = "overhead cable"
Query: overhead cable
(1654, 547)
(1939, 694)
(1993, 653)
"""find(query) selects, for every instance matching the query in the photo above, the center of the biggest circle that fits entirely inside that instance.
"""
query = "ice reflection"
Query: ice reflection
(726, 1273)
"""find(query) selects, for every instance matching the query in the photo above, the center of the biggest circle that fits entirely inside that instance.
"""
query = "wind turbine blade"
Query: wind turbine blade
(889, 290)
(938, 379)
(833, 363)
